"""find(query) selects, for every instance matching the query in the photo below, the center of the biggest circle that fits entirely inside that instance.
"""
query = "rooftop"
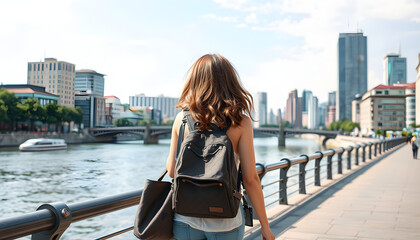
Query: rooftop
(396, 86)
(89, 71)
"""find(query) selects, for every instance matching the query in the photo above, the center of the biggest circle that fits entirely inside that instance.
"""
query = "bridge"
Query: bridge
(364, 191)
(151, 133)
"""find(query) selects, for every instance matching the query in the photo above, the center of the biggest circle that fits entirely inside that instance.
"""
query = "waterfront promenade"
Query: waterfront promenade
(379, 201)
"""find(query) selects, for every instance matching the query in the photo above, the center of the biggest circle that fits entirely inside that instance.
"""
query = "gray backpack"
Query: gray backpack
(206, 177)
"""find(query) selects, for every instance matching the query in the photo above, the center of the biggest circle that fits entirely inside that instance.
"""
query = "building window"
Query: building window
(378, 92)
(386, 92)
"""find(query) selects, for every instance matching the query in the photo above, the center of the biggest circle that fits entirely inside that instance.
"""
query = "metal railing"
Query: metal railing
(51, 220)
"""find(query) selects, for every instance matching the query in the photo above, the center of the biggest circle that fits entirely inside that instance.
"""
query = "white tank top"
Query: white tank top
(213, 224)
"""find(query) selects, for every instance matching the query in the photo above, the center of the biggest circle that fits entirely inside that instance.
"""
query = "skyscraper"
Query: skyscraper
(352, 71)
(332, 98)
(89, 81)
(56, 76)
(261, 109)
(395, 69)
(294, 109)
(306, 97)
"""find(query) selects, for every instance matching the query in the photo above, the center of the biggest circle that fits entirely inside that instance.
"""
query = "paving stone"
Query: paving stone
(382, 202)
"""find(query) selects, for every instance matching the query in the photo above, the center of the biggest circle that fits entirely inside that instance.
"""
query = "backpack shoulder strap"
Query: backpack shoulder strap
(190, 120)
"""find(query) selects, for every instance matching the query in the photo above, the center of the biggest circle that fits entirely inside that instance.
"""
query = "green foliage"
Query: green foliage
(11, 111)
(270, 125)
(122, 122)
(9, 103)
(379, 132)
(404, 133)
(344, 124)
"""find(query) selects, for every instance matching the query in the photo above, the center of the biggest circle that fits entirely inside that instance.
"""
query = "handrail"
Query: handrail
(50, 219)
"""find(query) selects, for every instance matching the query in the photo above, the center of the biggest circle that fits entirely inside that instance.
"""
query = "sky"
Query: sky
(148, 46)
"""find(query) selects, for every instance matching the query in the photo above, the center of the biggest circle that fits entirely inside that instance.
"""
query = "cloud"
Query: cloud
(232, 4)
(222, 19)
(415, 19)
(251, 18)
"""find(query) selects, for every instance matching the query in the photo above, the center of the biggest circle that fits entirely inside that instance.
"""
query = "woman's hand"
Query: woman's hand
(267, 234)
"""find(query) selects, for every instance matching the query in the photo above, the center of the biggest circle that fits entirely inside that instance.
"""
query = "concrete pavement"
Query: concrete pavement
(378, 201)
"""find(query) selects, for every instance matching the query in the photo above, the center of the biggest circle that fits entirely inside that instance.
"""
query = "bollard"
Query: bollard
(376, 148)
(356, 162)
(317, 174)
(380, 147)
(340, 161)
(364, 152)
(370, 151)
(302, 173)
(349, 158)
(283, 183)
(329, 164)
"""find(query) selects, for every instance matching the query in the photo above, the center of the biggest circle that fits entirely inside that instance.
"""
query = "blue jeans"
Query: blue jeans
(183, 231)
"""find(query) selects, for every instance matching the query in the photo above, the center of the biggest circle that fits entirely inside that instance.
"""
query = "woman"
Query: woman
(414, 146)
(213, 94)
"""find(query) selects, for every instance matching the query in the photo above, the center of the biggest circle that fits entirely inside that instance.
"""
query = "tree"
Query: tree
(379, 132)
(32, 110)
(122, 122)
(51, 114)
(78, 116)
(10, 104)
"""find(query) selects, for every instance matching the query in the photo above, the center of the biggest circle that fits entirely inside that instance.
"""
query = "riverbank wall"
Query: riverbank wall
(14, 139)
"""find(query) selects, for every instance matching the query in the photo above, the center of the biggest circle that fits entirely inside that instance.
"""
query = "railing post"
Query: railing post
(349, 158)
(283, 182)
(364, 152)
(383, 147)
(376, 148)
(62, 221)
(370, 151)
(329, 164)
(317, 169)
(340, 161)
(380, 147)
(356, 162)
(302, 173)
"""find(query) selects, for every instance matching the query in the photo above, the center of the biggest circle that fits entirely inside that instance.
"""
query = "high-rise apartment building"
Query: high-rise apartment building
(395, 69)
(166, 105)
(352, 71)
(261, 109)
(56, 76)
(89, 81)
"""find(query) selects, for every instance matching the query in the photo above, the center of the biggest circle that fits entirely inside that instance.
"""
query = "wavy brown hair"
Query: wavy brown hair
(213, 93)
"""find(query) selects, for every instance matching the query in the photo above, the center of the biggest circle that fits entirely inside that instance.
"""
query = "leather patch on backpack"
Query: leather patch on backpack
(216, 209)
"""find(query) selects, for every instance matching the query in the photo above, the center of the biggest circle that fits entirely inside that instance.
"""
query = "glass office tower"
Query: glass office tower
(352, 71)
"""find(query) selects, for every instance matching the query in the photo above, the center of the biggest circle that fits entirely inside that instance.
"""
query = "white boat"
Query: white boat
(43, 144)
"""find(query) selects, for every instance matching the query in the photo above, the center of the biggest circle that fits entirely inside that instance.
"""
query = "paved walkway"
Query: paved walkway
(381, 201)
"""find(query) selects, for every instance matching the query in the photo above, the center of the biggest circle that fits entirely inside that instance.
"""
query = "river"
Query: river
(88, 171)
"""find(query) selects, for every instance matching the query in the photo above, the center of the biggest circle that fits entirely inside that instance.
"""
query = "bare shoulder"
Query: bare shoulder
(245, 125)
(178, 120)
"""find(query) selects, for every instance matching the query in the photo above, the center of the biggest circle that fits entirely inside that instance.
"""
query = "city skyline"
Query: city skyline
(276, 46)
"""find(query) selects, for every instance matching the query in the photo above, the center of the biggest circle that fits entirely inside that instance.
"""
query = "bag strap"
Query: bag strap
(190, 120)
(245, 203)
(178, 147)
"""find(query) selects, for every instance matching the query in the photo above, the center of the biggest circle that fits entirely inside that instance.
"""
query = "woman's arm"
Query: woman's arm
(170, 163)
(250, 177)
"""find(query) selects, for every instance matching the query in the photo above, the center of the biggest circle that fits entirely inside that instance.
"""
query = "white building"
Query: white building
(166, 105)
(113, 109)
